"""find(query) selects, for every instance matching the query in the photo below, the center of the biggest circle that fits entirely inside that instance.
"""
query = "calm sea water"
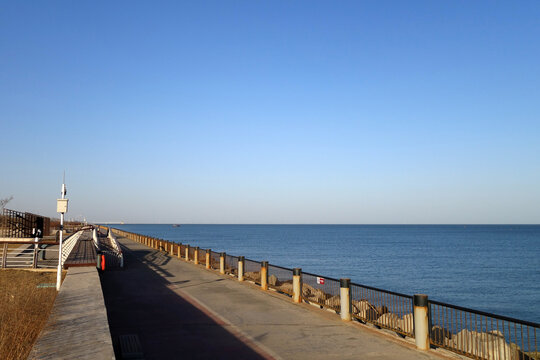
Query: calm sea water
(493, 268)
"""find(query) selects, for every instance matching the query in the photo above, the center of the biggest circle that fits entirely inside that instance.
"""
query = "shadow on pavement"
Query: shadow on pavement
(140, 305)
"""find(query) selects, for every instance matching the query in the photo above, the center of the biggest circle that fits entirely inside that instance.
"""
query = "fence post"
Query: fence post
(208, 258)
(264, 275)
(171, 251)
(196, 255)
(4, 255)
(222, 263)
(241, 261)
(187, 252)
(35, 254)
(421, 321)
(345, 298)
(179, 250)
(297, 285)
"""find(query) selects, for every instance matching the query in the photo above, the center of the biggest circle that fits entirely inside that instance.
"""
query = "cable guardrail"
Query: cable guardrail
(468, 332)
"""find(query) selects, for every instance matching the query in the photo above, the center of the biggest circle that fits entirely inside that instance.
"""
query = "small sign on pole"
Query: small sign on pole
(320, 280)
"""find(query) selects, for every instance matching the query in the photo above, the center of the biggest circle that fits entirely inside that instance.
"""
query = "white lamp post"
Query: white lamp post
(61, 207)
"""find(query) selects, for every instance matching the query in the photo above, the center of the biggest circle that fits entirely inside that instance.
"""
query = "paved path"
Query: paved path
(181, 310)
(77, 327)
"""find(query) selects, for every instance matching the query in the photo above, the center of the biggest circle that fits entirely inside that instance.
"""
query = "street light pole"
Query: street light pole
(61, 207)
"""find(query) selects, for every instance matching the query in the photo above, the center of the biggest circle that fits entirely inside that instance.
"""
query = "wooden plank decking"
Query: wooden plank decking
(84, 252)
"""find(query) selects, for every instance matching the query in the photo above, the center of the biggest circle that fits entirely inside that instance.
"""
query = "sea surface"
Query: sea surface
(493, 268)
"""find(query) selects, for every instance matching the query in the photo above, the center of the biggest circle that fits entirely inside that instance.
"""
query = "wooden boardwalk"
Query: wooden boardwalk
(84, 252)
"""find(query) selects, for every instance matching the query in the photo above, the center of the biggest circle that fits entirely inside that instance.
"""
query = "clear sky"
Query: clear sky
(272, 111)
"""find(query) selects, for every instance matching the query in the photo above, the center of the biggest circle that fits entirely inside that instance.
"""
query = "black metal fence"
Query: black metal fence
(321, 290)
(252, 270)
(280, 278)
(231, 264)
(482, 335)
(383, 308)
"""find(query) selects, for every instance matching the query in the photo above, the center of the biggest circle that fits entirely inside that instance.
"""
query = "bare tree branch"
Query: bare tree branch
(4, 202)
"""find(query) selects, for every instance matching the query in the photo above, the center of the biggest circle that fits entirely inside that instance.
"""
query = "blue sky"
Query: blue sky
(273, 112)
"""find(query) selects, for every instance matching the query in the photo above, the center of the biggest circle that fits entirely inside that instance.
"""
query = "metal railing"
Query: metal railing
(280, 279)
(68, 244)
(386, 309)
(31, 254)
(231, 264)
(252, 270)
(320, 290)
(202, 256)
(18, 255)
(113, 253)
(482, 335)
(214, 260)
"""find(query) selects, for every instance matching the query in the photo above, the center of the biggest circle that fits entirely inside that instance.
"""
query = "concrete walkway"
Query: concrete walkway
(176, 309)
(77, 327)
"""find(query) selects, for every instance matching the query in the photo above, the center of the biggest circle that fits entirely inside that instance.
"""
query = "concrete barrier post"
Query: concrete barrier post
(187, 252)
(171, 250)
(196, 255)
(179, 251)
(241, 261)
(222, 263)
(421, 321)
(264, 275)
(297, 285)
(208, 258)
(345, 298)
